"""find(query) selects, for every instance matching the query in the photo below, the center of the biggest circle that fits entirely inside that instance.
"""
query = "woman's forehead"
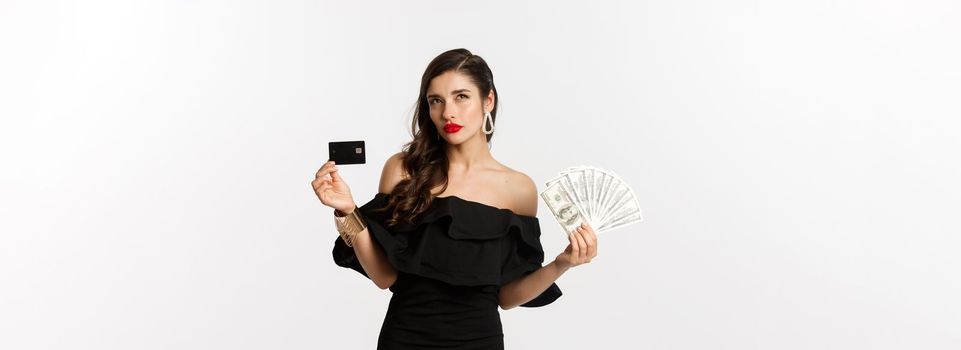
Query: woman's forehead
(450, 83)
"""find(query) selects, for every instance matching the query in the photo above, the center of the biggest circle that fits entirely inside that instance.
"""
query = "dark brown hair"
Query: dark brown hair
(424, 158)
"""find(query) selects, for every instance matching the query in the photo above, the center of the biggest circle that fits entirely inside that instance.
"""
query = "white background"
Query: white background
(796, 162)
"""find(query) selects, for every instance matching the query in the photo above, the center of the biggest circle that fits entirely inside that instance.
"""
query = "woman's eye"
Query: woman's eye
(437, 100)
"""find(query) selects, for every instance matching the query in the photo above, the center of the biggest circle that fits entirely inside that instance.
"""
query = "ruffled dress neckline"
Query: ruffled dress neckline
(468, 201)
(457, 241)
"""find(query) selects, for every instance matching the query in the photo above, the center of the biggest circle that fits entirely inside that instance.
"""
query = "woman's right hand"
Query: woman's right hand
(582, 249)
(332, 190)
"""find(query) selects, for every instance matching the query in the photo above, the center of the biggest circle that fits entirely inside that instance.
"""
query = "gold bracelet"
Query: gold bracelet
(349, 225)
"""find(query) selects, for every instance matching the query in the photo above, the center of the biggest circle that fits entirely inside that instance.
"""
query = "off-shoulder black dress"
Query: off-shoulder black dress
(451, 263)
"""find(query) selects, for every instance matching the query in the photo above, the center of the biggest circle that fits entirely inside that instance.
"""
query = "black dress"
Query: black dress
(451, 263)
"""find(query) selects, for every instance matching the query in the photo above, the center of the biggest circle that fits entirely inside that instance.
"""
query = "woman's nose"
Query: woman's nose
(448, 112)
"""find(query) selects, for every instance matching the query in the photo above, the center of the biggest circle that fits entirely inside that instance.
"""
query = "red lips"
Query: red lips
(451, 128)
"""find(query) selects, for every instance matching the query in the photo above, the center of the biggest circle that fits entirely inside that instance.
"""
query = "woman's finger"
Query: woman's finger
(577, 243)
(580, 238)
(317, 183)
(325, 169)
(324, 187)
(575, 248)
(591, 237)
(335, 175)
(321, 170)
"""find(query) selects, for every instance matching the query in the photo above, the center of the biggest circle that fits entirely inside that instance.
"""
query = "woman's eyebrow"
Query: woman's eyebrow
(452, 92)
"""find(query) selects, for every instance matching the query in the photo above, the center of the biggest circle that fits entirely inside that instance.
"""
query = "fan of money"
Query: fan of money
(593, 195)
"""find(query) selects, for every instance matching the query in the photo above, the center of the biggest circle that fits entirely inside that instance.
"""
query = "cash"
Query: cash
(593, 195)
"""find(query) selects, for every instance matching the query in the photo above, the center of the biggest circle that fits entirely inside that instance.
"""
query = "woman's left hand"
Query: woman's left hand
(581, 250)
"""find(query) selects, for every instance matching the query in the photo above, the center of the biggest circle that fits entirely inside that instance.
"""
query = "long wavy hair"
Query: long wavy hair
(424, 157)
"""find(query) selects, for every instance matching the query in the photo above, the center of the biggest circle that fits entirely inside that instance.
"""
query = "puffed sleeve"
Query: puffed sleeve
(343, 255)
(524, 255)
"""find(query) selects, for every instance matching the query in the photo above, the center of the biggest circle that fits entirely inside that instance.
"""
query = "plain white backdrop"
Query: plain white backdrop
(796, 162)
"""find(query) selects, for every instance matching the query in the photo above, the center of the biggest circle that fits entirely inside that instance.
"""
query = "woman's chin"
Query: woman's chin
(459, 137)
(455, 138)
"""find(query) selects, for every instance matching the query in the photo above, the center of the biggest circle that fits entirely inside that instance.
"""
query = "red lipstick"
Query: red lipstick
(451, 128)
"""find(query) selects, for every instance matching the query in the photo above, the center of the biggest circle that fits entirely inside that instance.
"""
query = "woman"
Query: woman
(451, 232)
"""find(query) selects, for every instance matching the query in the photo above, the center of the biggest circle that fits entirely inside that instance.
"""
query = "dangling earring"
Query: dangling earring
(488, 119)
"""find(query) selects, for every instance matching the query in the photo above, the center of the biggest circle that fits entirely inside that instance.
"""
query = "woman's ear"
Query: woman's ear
(489, 101)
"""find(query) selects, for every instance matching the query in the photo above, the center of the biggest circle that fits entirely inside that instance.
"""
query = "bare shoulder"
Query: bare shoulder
(392, 173)
(525, 193)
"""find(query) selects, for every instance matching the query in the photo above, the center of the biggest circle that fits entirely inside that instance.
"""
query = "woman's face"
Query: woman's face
(456, 108)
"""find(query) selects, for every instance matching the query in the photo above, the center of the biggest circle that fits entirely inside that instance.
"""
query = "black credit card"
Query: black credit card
(347, 152)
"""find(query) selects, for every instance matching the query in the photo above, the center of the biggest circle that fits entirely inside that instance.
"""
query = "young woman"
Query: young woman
(451, 232)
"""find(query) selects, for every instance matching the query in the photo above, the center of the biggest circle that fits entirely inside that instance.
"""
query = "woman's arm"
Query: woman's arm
(374, 261)
(582, 249)
(529, 287)
(370, 255)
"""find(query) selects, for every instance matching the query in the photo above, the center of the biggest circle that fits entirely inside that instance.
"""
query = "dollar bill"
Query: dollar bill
(562, 205)
(598, 197)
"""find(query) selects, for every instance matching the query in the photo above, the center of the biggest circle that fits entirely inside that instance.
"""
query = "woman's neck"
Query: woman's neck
(471, 154)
